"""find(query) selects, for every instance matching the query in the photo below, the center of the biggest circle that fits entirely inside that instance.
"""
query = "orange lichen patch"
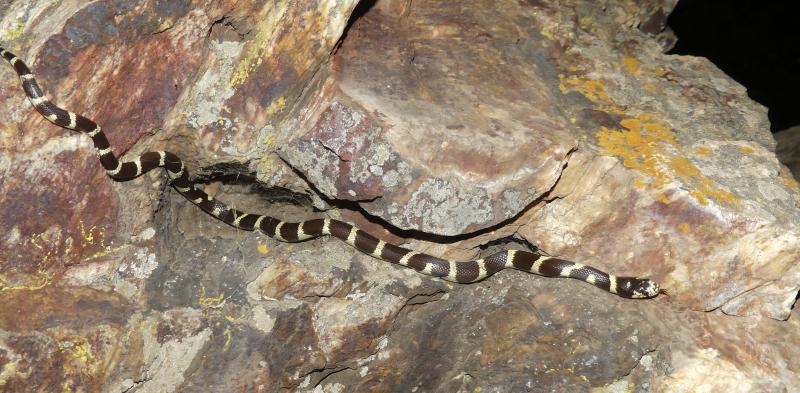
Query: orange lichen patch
(702, 151)
(650, 88)
(631, 64)
(683, 167)
(746, 149)
(703, 187)
(262, 249)
(642, 145)
(791, 183)
(683, 227)
(593, 90)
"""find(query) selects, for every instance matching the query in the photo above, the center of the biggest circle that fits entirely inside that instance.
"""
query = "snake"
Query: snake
(464, 272)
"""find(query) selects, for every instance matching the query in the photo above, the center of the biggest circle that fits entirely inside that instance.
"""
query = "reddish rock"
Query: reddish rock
(456, 128)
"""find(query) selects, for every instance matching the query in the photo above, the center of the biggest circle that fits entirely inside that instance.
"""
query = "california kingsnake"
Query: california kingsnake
(461, 272)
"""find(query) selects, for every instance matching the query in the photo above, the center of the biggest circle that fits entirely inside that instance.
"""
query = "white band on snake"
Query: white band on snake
(461, 272)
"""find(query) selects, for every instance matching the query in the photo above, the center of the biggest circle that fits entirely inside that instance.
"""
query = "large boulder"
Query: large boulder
(457, 128)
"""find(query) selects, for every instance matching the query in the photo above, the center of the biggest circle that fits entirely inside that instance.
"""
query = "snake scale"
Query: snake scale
(461, 272)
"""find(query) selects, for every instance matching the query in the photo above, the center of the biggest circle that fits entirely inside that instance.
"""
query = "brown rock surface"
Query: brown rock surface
(788, 149)
(431, 142)
(455, 127)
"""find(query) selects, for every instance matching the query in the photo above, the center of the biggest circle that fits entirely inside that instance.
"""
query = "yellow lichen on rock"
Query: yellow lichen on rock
(702, 151)
(207, 302)
(260, 46)
(272, 43)
(278, 105)
(79, 350)
(746, 149)
(649, 146)
(631, 64)
(13, 34)
(9, 369)
(791, 183)
(703, 187)
(594, 90)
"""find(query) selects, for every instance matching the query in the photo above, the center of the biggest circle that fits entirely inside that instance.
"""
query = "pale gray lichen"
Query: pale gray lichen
(213, 89)
(442, 207)
(376, 170)
(514, 201)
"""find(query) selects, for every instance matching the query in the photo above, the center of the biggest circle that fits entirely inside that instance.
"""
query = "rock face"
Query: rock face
(788, 149)
(427, 140)
(454, 127)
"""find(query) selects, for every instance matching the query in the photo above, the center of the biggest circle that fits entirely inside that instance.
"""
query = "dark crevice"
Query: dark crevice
(361, 9)
(325, 373)
(136, 383)
(238, 174)
(410, 233)
(226, 172)
(282, 195)
(638, 362)
(317, 296)
(324, 146)
(226, 22)
(163, 30)
(415, 303)
(502, 244)
(424, 298)
(223, 21)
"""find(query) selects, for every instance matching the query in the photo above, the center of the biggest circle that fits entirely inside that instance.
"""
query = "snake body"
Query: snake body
(460, 272)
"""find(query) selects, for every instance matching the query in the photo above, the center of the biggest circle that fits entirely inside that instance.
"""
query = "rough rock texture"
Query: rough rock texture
(432, 142)
(788, 149)
(458, 128)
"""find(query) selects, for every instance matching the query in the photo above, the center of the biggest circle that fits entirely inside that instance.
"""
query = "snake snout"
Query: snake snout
(645, 288)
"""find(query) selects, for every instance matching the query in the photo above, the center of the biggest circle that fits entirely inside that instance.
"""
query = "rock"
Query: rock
(426, 141)
(788, 149)
(454, 128)
(370, 143)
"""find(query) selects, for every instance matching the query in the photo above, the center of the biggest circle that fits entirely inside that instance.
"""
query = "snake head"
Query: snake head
(638, 288)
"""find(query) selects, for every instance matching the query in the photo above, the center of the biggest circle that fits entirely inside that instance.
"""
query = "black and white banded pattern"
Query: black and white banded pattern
(461, 272)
